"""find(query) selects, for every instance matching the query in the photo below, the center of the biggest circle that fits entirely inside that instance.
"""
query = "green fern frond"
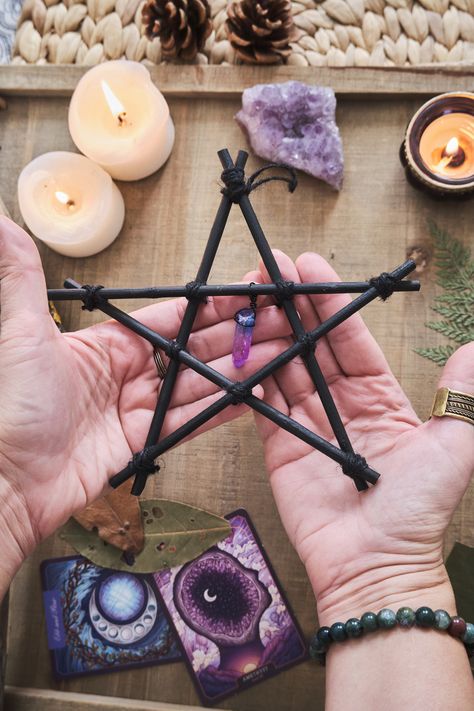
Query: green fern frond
(461, 315)
(452, 284)
(450, 330)
(459, 281)
(455, 274)
(450, 254)
(466, 300)
(438, 354)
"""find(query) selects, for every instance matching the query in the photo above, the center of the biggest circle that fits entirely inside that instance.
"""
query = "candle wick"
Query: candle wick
(444, 162)
(453, 155)
(122, 118)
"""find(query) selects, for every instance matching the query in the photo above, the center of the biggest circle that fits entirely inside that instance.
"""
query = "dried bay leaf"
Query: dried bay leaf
(116, 519)
(175, 533)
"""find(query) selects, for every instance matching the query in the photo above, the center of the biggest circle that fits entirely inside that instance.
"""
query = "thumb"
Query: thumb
(22, 282)
(458, 435)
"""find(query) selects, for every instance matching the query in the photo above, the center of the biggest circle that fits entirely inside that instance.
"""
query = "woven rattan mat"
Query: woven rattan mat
(333, 32)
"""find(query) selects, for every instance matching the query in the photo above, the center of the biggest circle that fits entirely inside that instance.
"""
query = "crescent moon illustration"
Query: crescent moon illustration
(208, 597)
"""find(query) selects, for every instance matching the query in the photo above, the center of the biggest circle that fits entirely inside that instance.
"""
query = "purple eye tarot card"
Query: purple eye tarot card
(233, 621)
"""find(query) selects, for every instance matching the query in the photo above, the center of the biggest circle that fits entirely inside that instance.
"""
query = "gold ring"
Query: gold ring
(453, 403)
(159, 362)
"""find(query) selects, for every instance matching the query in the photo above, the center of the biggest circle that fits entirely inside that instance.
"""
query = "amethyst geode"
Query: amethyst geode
(295, 124)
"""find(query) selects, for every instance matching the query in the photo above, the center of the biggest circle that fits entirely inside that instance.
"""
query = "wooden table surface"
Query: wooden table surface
(371, 226)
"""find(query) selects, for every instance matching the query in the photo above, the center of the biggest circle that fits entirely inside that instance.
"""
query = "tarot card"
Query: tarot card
(101, 620)
(233, 621)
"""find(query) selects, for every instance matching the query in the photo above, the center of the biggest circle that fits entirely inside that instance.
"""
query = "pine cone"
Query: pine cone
(260, 32)
(182, 26)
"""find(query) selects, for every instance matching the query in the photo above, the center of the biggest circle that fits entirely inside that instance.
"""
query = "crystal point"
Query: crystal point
(244, 325)
(294, 123)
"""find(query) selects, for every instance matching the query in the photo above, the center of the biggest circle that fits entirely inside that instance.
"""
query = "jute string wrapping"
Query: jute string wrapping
(332, 33)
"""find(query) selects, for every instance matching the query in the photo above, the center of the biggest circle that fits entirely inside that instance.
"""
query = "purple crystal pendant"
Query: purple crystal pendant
(244, 325)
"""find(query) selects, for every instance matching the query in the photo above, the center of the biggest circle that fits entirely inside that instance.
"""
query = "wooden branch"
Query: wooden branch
(25, 699)
(229, 82)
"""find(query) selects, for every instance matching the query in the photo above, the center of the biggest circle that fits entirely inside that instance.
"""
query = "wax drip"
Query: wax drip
(244, 325)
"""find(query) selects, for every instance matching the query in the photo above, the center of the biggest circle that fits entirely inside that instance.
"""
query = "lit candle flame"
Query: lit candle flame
(114, 104)
(449, 153)
(64, 198)
(452, 147)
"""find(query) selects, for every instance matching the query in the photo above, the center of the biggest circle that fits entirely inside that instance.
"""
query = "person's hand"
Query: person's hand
(76, 406)
(383, 546)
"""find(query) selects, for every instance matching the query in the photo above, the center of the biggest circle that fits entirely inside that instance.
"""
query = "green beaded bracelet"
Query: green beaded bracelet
(386, 620)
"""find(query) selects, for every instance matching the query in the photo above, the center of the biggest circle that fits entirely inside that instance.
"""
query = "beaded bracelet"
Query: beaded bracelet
(387, 619)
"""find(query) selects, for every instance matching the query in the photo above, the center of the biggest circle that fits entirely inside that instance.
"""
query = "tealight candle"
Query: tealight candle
(70, 203)
(119, 119)
(438, 150)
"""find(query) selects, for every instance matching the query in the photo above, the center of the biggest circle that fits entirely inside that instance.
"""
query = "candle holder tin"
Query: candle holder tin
(417, 171)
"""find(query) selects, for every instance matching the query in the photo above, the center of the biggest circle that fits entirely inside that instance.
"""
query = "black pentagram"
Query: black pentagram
(237, 190)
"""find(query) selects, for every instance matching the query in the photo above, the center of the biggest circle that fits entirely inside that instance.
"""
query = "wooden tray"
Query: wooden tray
(369, 227)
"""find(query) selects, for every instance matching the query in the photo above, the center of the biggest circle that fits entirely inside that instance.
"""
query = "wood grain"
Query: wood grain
(22, 699)
(229, 82)
(370, 226)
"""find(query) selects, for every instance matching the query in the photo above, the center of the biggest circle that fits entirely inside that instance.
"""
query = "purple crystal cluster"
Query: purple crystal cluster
(295, 123)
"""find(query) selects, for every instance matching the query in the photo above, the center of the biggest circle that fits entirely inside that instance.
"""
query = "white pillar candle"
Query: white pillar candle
(119, 119)
(70, 203)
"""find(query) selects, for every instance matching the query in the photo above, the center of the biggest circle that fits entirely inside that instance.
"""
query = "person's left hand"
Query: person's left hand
(77, 405)
(384, 546)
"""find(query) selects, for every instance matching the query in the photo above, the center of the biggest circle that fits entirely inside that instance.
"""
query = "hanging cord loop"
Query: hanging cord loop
(236, 186)
(253, 298)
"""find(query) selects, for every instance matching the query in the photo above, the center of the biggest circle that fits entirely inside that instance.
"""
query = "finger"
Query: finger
(176, 416)
(291, 388)
(294, 380)
(191, 386)
(457, 436)
(139, 422)
(133, 355)
(22, 283)
(211, 342)
(308, 411)
(282, 447)
(206, 343)
(216, 341)
(274, 396)
(458, 373)
(166, 317)
(352, 344)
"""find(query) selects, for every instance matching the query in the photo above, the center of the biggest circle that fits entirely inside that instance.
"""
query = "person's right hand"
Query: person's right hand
(383, 546)
(75, 406)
